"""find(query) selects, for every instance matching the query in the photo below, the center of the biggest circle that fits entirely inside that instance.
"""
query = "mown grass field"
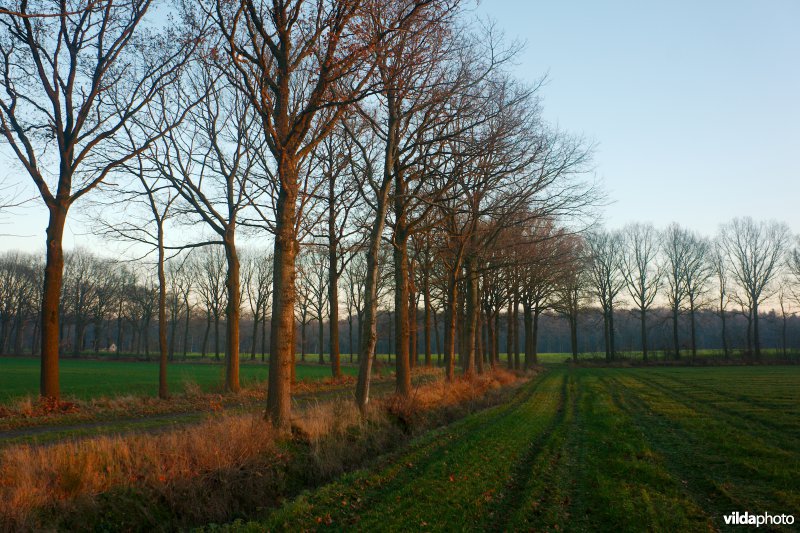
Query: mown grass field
(86, 378)
(591, 449)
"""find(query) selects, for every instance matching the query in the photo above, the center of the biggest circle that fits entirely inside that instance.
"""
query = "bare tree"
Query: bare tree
(697, 271)
(70, 84)
(642, 270)
(17, 291)
(258, 288)
(312, 281)
(571, 289)
(604, 249)
(354, 276)
(408, 64)
(755, 253)
(299, 64)
(336, 154)
(208, 266)
(721, 273)
(675, 243)
(209, 160)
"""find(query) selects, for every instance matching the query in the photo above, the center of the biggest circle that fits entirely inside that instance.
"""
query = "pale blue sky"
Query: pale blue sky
(694, 106)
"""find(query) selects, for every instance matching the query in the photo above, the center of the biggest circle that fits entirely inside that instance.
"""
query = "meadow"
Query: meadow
(586, 449)
(88, 378)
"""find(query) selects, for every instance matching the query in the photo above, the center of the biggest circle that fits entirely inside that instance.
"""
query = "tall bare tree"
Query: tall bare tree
(70, 84)
(642, 270)
(258, 288)
(755, 252)
(675, 243)
(697, 271)
(604, 249)
(300, 63)
(721, 273)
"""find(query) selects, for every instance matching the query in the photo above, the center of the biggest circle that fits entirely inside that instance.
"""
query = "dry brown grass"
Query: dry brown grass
(442, 394)
(213, 470)
(33, 477)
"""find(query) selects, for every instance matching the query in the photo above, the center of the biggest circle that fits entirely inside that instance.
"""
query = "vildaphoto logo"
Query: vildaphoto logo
(758, 520)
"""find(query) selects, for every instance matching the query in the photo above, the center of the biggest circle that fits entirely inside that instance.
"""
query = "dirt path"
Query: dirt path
(50, 433)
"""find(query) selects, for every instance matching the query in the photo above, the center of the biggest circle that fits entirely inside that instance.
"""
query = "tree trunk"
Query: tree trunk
(606, 336)
(480, 351)
(412, 330)
(426, 302)
(510, 335)
(436, 337)
(333, 285)
(232, 312)
(756, 337)
(264, 334)
(643, 323)
(163, 389)
(205, 334)
(401, 318)
(321, 338)
(254, 336)
(472, 335)
(692, 329)
(173, 330)
(527, 317)
(573, 335)
(451, 326)
(51, 295)
(783, 333)
(611, 335)
(749, 333)
(496, 338)
(368, 333)
(515, 313)
(675, 343)
(186, 327)
(119, 327)
(535, 332)
(216, 335)
(281, 360)
(303, 340)
(96, 329)
(490, 339)
(350, 334)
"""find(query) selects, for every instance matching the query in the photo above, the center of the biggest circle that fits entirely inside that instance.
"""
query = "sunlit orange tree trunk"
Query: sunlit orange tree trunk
(299, 64)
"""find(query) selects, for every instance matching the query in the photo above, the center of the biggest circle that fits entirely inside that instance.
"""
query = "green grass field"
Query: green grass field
(84, 379)
(591, 449)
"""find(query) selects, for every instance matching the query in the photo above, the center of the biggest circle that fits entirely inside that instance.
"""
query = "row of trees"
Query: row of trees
(673, 275)
(736, 272)
(380, 137)
(305, 120)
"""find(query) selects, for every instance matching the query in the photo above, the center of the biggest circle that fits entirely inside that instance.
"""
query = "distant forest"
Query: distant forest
(113, 307)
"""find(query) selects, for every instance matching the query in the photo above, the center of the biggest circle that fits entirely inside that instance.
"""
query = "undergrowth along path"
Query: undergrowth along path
(54, 432)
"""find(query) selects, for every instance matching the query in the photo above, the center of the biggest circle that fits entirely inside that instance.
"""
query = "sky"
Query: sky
(694, 107)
